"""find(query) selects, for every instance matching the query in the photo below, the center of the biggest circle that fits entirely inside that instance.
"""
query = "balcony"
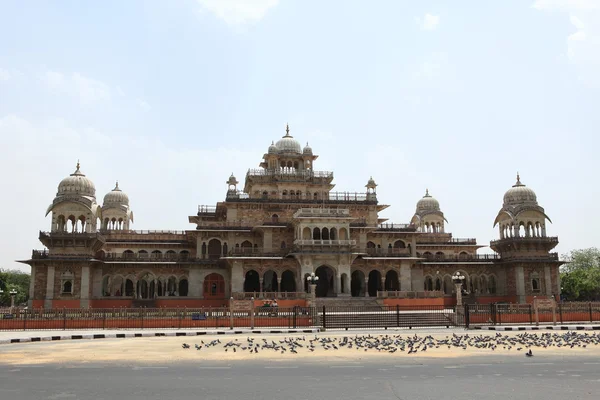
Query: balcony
(207, 211)
(301, 242)
(322, 212)
(292, 175)
(154, 258)
(526, 239)
(532, 258)
(460, 258)
(330, 198)
(242, 252)
(392, 227)
(223, 225)
(45, 255)
(380, 252)
(452, 241)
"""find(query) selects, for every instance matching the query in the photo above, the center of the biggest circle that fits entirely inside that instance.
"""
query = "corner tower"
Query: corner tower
(524, 247)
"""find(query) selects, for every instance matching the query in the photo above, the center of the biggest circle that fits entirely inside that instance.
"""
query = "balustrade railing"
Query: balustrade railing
(386, 252)
(390, 226)
(401, 294)
(257, 252)
(302, 242)
(526, 239)
(322, 212)
(269, 295)
(441, 240)
(464, 257)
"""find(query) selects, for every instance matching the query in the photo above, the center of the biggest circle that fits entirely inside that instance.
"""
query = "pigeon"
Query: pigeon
(529, 353)
(185, 346)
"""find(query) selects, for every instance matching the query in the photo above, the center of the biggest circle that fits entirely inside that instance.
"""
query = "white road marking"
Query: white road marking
(214, 367)
(282, 367)
(454, 366)
(152, 367)
(346, 366)
(541, 363)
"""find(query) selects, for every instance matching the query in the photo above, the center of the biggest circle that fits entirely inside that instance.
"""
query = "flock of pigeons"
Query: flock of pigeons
(407, 344)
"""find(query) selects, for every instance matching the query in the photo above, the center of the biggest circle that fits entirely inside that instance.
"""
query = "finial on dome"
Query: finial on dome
(272, 143)
(427, 192)
(77, 165)
(287, 129)
(518, 180)
(116, 186)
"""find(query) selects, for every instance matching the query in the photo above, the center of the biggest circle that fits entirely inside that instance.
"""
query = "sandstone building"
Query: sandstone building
(264, 240)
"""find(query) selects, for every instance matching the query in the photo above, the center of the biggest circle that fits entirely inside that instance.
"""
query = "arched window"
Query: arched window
(492, 284)
(316, 234)
(156, 254)
(275, 218)
(67, 287)
(214, 249)
(183, 287)
(128, 254)
(142, 254)
(428, 284)
(325, 234)
(535, 282)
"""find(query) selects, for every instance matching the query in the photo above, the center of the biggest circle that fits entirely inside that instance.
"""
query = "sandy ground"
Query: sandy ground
(167, 350)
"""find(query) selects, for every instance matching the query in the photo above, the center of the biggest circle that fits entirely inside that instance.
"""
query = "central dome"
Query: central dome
(519, 194)
(116, 197)
(77, 183)
(428, 203)
(288, 144)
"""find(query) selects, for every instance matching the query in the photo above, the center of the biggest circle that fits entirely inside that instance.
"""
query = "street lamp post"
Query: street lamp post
(312, 280)
(458, 279)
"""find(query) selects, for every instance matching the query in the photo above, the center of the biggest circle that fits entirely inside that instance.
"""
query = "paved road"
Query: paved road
(482, 377)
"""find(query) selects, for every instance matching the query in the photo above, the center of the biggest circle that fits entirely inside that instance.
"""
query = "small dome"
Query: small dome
(116, 197)
(77, 183)
(519, 194)
(288, 144)
(273, 148)
(307, 149)
(428, 203)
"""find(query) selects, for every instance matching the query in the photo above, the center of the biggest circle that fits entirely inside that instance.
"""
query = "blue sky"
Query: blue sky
(172, 97)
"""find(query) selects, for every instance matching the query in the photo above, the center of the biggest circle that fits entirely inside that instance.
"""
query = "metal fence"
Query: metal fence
(525, 314)
(346, 317)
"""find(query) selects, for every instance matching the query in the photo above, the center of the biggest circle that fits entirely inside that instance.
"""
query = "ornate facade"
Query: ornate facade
(263, 241)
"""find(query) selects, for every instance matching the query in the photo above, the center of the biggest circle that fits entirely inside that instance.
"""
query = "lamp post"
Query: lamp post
(458, 279)
(312, 280)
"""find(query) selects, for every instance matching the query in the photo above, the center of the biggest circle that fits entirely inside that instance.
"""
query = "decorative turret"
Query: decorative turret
(428, 215)
(74, 208)
(371, 189)
(116, 213)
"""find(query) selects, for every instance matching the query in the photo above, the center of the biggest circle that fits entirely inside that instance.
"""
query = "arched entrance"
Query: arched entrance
(252, 281)
(357, 284)
(214, 286)
(288, 282)
(214, 249)
(325, 283)
(374, 282)
(270, 282)
(391, 281)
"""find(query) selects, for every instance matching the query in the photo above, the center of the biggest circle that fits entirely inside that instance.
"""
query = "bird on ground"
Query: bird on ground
(529, 353)
(185, 346)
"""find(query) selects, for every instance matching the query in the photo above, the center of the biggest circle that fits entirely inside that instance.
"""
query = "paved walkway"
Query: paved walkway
(7, 337)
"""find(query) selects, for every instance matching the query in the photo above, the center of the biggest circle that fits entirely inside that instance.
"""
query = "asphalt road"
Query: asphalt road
(468, 377)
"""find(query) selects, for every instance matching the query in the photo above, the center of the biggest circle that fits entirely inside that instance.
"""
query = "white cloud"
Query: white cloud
(567, 5)
(5, 75)
(429, 22)
(237, 12)
(143, 104)
(88, 90)
(48, 152)
(583, 45)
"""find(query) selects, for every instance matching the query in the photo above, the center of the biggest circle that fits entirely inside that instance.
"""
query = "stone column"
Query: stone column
(195, 283)
(49, 287)
(84, 288)
(97, 283)
(458, 289)
(31, 287)
(367, 286)
(548, 281)
(520, 283)
(405, 277)
(383, 283)
(278, 284)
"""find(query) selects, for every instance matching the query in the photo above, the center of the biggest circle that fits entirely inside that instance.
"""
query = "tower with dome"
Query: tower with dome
(263, 240)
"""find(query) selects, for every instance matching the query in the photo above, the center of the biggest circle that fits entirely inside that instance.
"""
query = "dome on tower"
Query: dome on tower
(428, 203)
(307, 150)
(288, 144)
(77, 183)
(116, 197)
(519, 194)
(273, 148)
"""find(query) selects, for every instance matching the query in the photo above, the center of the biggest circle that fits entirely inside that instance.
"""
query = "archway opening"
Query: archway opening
(325, 283)
(357, 284)
(252, 281)
(344, 284)
(214, 249)
(374, 282)
(391, 281)
(270, 281)
(288, 282)
(214, 286)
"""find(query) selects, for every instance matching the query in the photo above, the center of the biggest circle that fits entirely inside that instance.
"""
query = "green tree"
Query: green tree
(580, 278)
(14, 280)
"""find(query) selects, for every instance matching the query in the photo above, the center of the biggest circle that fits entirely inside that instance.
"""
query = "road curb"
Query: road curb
(538, 328)
(152, 334)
